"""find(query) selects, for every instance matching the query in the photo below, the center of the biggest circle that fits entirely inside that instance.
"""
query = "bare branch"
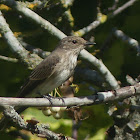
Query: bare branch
(123, 7)
(97, 22)
(67, 4)
(34, 50)
(110, 79)
(100, 97)
(114, 6)
(41, 130)
(87, 29)
(132, 42)
(130, 80)
(35, 17)
(29, 59)
(14, 60)
(9, 37)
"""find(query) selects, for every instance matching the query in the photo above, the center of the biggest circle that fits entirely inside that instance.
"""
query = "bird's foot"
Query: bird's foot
(49, 97)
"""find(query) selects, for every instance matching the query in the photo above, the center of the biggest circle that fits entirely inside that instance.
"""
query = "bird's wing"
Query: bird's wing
(43, 71)
(45, 68)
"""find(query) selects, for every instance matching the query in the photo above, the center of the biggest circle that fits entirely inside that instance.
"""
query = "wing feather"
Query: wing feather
(43, 71)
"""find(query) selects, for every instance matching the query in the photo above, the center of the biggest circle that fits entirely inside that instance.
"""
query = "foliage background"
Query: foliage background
(120, 58)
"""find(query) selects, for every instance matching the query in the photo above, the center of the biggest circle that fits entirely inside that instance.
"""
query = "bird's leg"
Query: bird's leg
(51, 96)
(60, 97)
(46, 96)
(57, 92)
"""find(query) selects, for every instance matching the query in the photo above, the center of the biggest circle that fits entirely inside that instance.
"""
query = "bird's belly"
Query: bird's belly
(57, 79)
(53, 82)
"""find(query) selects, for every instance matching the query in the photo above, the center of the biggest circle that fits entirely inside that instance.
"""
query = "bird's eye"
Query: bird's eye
(74, 41)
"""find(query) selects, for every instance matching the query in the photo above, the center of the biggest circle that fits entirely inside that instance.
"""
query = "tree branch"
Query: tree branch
(123, 7)
(110, 79)
(31, 60)
(132, 42)
(130, 80)
(100, 97)
(41, 130)
(9, 59)
(87, 29)
(35, 17)
(98, 22)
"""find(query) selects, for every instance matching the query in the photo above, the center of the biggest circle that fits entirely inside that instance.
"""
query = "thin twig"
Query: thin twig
(98, 22)
(114, 6)
(132, 42)
(34, 50)
(14, 60)
(123, 7)
(87, 29)
(130, 80)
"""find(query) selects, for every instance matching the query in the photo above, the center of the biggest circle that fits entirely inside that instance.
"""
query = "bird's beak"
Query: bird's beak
(89, 43)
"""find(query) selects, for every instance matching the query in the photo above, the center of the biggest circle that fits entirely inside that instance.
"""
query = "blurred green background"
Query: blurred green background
(120, 58)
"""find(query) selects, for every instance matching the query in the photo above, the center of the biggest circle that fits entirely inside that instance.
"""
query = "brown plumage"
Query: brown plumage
(53, 70)
(43, 71)
(56, 68)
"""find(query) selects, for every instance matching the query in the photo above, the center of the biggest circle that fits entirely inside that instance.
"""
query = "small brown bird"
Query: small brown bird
(54, 70)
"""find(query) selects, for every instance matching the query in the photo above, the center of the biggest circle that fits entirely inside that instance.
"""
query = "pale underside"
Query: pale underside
(55, 80)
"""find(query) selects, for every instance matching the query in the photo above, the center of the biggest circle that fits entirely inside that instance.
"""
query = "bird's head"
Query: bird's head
(73, 43)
